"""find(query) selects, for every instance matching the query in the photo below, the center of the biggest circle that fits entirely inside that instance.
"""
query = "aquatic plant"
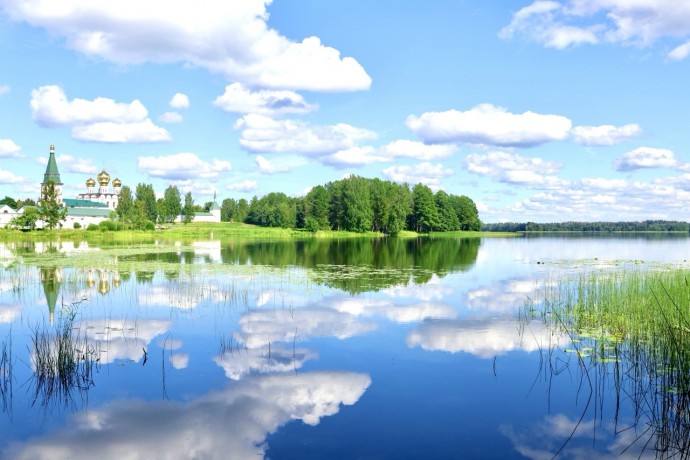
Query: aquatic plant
(6, 373)
(629, 331)
(63, 363)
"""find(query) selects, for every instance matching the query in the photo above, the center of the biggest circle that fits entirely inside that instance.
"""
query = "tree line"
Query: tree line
(643, 226)
(353, 204)
(359, 204)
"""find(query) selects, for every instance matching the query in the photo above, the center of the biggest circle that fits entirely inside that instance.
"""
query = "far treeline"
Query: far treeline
(644, 226)
(359, 204)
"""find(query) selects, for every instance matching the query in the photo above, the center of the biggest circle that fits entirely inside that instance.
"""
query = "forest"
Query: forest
(359, 204)
(643, 226)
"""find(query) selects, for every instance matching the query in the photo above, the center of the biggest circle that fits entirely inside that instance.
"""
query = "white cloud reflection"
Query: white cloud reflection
(232, 423)
(483, 338)
(122, 339)
(246, 361)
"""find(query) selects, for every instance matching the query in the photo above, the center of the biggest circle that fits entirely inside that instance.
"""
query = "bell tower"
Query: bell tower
(52, 175)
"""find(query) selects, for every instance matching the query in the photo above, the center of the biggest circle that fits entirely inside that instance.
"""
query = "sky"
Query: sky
(541, 111)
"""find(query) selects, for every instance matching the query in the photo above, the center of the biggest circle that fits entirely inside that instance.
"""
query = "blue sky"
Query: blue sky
(544, 111)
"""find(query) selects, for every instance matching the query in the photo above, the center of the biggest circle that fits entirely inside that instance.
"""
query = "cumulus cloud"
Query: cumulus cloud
(646, 157)
(238, 99)
(183, 166)
(604, 134)
(71, 164)
(404, 148)
(254, 407)
(244, 186)
(539, 22)
(354, 157)
(8, 149)
(515, 169)
(489, 125)
(230, 38)
(261, 134)
(179, 101)
(8, 177)
(170, 117)
(266, 167)
(98, 120)
(573, 22)
(424, 173)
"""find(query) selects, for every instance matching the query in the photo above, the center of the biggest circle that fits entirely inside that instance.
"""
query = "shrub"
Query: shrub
(149, 225)
(311, 225)
(92, 228)
(77, 225)
(106, 225)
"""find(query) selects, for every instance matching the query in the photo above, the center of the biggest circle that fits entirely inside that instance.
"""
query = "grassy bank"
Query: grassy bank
(210, 231)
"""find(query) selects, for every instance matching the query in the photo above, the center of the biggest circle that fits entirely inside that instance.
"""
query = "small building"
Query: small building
(7, 214)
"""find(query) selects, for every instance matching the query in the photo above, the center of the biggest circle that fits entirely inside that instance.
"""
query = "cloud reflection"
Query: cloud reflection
(246, 361)
(505, 296)
(121, 339)
(484, 338)
(232, 423)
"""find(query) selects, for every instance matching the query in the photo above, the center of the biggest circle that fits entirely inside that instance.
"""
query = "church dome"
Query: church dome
(116, 182)
(90, 182)
(103, 178)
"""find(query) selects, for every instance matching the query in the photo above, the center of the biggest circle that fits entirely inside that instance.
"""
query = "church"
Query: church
(96, 205)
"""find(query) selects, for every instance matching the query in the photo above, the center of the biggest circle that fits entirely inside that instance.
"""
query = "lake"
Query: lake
(341, 349)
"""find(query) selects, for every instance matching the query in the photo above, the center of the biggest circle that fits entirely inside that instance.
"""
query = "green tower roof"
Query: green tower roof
(52, 172)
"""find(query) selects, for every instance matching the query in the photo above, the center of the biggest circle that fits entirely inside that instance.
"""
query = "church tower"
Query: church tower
(52, 174)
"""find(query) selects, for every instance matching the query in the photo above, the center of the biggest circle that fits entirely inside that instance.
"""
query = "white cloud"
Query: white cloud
(261, 134)
(646, 157)
(119, 133)
(404, 148)
(255, 407)
(8, 149)
(573, 22)
(604, 134)
(489, 125)
(4, 89)
(515, 169)
(50, 107)
(244, 186)
(71, 164)
(538, 22)
(179, 101)
(98, 120)
(230, 38)
(238, 99)
(354, 157)
(170, 117)
(266, 167)
(424, 173)
(183, 166)
(8, 177)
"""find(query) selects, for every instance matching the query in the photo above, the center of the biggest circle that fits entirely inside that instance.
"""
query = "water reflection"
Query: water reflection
(232, 423)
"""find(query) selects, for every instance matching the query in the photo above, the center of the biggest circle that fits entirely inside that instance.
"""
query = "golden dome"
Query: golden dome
(103, 178)
(90, 182)
(116, 182)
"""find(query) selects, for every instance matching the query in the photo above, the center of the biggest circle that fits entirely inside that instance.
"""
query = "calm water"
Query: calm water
(308, 350)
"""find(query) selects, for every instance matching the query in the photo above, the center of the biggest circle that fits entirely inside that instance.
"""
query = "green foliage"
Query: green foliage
(172, 204)
(188, 209)
(644, 226)
(148, 225)
(234, 210)
(26, 220)
(125, 205)
(77, 225)
(146, 195)
(92, 228)
(424, 216)
(311, 224)
(9, 201)
(50, 210)
(273, 210)
(106, 225)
